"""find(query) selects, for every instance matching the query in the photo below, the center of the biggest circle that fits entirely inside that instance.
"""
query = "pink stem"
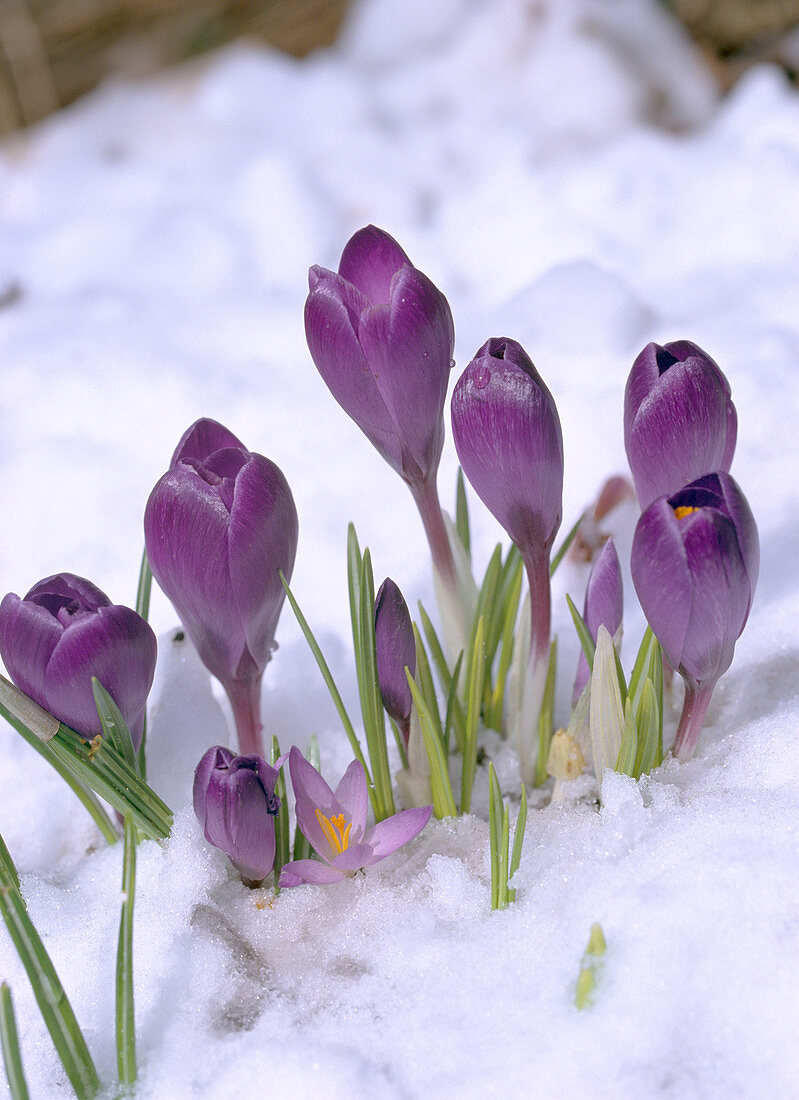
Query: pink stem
(694, 709)
(537, 568)
(245, 699)
(426, 496)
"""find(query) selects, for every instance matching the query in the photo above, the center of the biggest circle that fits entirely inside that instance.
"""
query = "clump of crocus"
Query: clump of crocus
(395, 650)
(382, 338)
(334, 823)
(508, 437)
(679, 419)
(64, 632)
(235, 802)
(604, 605)
(219, 527)
(695, 561)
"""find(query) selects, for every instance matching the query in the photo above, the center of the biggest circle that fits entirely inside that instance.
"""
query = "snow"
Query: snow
(564, 171)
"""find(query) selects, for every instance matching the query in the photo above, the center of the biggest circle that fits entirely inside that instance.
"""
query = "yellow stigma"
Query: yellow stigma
(683, 511)
(336, 829)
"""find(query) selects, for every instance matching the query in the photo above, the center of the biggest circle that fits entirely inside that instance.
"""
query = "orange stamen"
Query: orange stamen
(683, 511)
(336, 829)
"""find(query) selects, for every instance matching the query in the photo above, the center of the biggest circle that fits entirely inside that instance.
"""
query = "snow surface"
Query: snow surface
(564, 171)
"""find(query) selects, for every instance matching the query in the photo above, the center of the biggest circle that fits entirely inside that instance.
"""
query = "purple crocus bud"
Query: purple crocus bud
(604, 606)
(382, 338)
(219, 526)
(396, 651)
(334, 823)
(64, 632)
(695, 561)
(679, 419)
(235, 802)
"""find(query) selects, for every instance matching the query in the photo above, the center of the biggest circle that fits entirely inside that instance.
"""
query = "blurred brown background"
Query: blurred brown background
(52, 51)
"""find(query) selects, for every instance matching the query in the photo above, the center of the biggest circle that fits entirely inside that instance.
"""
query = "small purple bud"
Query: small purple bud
(382, 338)
(64, 632)
(695, 561)
(396, 650)
(604, 605)
(219, 526)
(679, 419)
(235, 802)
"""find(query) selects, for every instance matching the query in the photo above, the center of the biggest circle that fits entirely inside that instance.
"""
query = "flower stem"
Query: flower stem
(426, 496)
(537, 568)
(245, 699)
(694, 709)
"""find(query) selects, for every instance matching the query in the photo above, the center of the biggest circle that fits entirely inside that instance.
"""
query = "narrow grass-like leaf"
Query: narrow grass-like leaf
(656, 676)
(143, 608)
(12, 1057)
(475, 675)
(454, 709)
(494, 718)
(125, 1013)
(327, 676)
(494, 831)
(462, 514)
(564, 546)
(641, 666)
(49, 993)
(443, 802)
(424, 677)
(45, 750)
(373, 714)
(487, 598)
(354, 565)
(583, 633)
(8, 863)
(114, 726)
(545, 728)
(281, 818)
(590, 968)
(625, 762)
(648, 722)
(518, 842)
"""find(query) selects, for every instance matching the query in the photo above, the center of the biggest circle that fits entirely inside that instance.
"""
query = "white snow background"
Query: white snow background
(566, 174)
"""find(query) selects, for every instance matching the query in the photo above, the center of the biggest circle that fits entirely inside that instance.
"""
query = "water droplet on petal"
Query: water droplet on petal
(481, 378)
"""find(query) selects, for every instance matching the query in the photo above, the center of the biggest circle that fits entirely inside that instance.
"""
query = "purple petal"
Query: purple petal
(311, 792)
(662, 578)
(395, 650)
(301, 871)
(262, 539)
(604, 605)
(68, 590)
(389, 835)
(353, 797)
(216, 757)
(202, 439)
(508, 438)
(236, 812)
(353, 857)
(28, 635)
(370, 260)
(737, 508)
(408, 345)
(118, 647)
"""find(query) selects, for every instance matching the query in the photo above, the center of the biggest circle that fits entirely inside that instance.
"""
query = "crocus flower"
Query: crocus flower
(604, 605)
(382, 338)
(64, 632)
(395, 650)
(235, 802)
(695, 561)
(334, 823)
(508, 438)
(679, 419)
(219, 526)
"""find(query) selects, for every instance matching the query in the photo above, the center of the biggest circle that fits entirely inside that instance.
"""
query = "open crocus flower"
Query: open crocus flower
(219, 526)
(334, 823)
(235, 802)
(604, 605)
(695, 561)
(382, 338)
(679, 419)
(64, 632)
(508, 438)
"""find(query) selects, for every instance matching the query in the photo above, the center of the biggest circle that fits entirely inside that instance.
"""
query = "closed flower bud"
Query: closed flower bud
(695, 561)
(679, 419)
(604, 605)
(235, 802)
(395, 650)
(381, 336)
(219, 526)
(64, 632)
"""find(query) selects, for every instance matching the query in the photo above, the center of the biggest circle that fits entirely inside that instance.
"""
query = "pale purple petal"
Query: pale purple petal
(604, 605)
(387, 836)
(353, 857)
(370, 260)
(301, 871)
(353, 797)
